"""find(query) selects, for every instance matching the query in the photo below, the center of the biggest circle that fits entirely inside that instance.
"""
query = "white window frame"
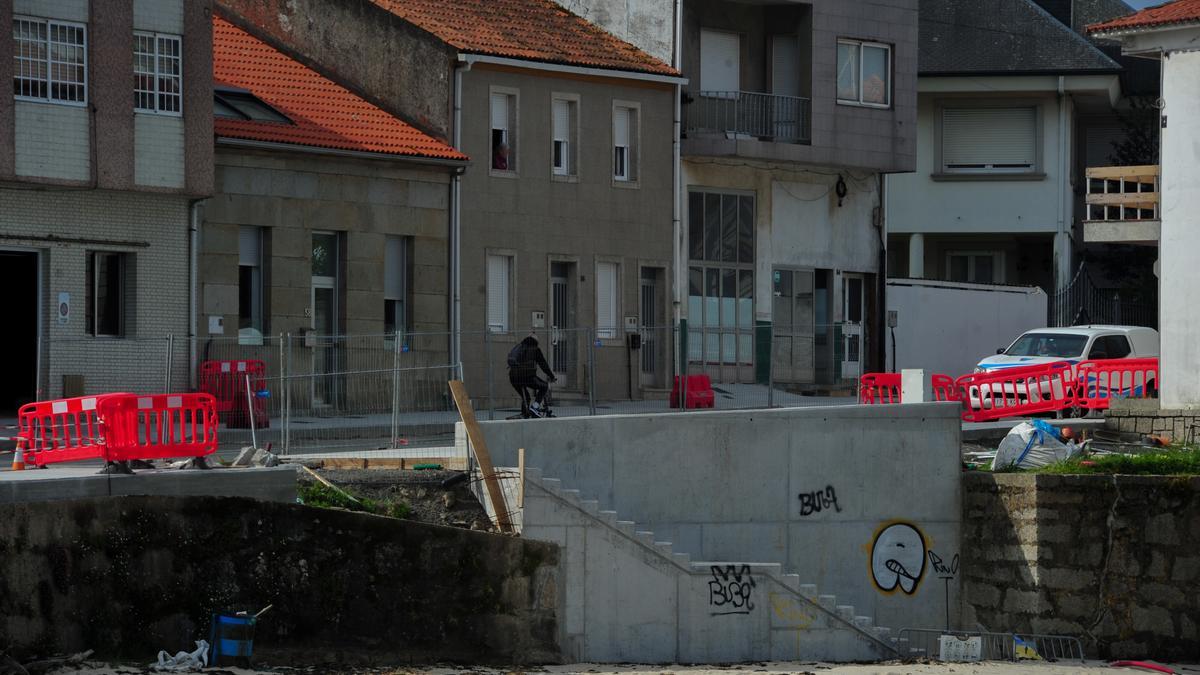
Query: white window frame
(571, 169)
(157, 75)
(512, 136)
(997, 265)
(49, 80)
(629, 177)
(860, 45)
(942, 172)
(396, 297)
(93, 296)
(506, 296)
(603, 332)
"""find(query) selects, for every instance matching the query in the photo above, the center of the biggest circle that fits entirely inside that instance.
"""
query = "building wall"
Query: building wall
(649, 24)
(64, 226)
(1179, 275)
(538, 217)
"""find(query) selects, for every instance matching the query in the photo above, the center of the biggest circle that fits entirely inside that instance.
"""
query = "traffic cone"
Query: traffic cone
(19, 457)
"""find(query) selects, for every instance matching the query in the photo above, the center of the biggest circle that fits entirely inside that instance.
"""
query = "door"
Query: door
(792, 352)
(785, 84)
(654, 339)
(853, 304)
(564, 338)
(19, 339)
(327, 385)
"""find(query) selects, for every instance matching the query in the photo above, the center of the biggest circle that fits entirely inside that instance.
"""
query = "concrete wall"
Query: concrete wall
(1180, 211)
(275, 484)
(948, 328)
(812, 489)
(1108, 558)
(649, 24)
(130, 576)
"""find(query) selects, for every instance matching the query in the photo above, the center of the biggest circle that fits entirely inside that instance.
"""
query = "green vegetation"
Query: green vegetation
(322, 496)
(1172, 461)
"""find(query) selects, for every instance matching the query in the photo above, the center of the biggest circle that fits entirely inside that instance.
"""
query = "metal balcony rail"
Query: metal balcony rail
(1116, 193)
(771, 117)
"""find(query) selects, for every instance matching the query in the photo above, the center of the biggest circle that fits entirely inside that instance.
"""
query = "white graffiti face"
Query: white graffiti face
(898, 558)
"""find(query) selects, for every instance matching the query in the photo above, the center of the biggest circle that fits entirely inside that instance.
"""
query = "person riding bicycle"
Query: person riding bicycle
(523, 363)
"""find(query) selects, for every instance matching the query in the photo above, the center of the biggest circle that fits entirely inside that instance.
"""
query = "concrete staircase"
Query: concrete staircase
(629, 597)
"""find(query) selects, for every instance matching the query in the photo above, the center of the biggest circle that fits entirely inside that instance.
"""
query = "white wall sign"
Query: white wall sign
(64, 308)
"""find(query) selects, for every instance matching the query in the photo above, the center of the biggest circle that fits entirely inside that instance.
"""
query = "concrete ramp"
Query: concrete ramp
(629, 597)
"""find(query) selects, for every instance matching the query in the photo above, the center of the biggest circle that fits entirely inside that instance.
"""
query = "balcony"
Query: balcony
(1122, 205)
(746, 115)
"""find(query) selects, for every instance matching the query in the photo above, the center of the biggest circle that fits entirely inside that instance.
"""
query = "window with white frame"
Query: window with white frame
(864, 73)
(607, 295)
(499, 290)
(49, 60)
(975, 267)
(625, 134)
(108, 293)
(395, 285)
(989, 140)
(503, 113)
(564, 122)
(251, 322)
(158, 73)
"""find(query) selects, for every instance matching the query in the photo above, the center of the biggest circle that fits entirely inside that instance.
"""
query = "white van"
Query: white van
(1074, 344)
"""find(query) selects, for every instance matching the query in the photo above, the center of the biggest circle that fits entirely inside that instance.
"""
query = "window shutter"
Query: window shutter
(562, 120)
(606, 299)
(989, 138)
(720, 61)
(249, 246)
(393, 269)
(621, 123)
(497, 292)
(500, 111)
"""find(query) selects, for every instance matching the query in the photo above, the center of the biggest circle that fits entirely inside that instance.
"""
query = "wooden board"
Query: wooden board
(475, 436)
(1126, 172)
(359, 463)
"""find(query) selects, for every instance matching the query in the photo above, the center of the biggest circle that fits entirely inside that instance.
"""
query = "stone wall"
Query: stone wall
(1109, 559)
(130, 576)
(1143, 416)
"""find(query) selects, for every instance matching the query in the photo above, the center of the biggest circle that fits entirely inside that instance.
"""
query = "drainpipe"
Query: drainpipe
(456, 224)
(881, 327)
(193, 285)
(1062, 240)
(677, 233)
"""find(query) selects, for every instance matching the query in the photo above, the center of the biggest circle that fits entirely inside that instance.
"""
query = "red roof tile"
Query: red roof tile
(325, 114)
(1178, 12)
(534, 30)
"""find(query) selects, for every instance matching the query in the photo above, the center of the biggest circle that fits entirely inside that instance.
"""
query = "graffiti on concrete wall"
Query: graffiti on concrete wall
(790, 612)
(818, 501)
(898, 558)
(942, 568)
(731, 589)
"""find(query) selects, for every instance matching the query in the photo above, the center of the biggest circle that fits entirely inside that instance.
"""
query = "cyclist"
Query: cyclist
(523, 363)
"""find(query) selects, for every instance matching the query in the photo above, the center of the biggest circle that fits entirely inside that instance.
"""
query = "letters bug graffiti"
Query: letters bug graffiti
(730, 590)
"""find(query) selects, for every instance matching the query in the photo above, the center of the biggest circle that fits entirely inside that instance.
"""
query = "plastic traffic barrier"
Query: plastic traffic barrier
(226, 381)
(62, 430)
(1016, 392)
(944, 389)
(159, 426)
(876, 388)
(699, 392)
(1099, 381)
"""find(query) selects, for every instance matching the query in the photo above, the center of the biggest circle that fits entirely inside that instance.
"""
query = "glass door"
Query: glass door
(852, 326)
(327, 384)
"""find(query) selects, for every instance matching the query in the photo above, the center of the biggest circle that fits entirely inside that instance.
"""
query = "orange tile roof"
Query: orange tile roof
(325, 114)
(534, 30)
(1178, 12)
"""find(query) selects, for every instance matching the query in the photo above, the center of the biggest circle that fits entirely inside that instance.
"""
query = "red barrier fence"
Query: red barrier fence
(1016, 392)
(874, 388)
(118, 427)
(226, 381)
(944, 389)
(1098, 382)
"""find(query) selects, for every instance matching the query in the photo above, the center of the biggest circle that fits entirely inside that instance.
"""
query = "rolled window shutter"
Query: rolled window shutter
(621, 127)
(606, 291)
(249, 246)
(1003, 138)
(500, 111)
(562, 120)
(393, 269)
(497, 292)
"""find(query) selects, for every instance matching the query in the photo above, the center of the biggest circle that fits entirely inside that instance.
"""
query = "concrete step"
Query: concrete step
(846, 612)
(591, 506)
(829, 602)
(533, 475)
(609, 518)
(809, 591)
(644, 536)
(627, 526)
(883, 633)
(792, 581)
(682, 559)
(864, 623)
(664, 547)
(571, 496)
(552, 485)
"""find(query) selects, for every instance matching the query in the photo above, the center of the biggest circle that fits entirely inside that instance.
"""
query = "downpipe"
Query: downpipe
(193, 286)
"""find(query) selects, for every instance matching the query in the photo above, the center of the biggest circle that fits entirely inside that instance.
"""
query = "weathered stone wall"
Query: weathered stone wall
(130, 576)
(1110, 559)
(1143, 416)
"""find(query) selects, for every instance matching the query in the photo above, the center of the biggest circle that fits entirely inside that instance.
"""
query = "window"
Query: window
(503, 138)
(864, 73)
(251, 324)
(157, 73)
(720, 63)
(989, 140)
(1109, 347)
(107, 299)
(625, 133)
(499, 276)
(395, 285)
(236, 104)
(607, 295)
(565, 122)
(50, 60)
(721, 277)
(976, 267)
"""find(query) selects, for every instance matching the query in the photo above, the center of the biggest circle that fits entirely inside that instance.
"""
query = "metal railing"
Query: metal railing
(1081, 302)
(1116, 193)
(986, 646)
(772, 117)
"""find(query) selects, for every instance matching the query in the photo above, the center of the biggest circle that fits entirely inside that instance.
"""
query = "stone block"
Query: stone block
(1186, 569)
(1161, 529)
(1075, 606)
(1159, 566)
(1153, 620)
(1023, 602)
(981, 594)
(1066, 578)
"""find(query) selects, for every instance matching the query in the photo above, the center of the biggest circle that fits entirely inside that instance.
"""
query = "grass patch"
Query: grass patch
(322, 496)
(1173, 461)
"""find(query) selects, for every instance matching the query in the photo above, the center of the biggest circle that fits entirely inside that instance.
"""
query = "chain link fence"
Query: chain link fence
(387, 392)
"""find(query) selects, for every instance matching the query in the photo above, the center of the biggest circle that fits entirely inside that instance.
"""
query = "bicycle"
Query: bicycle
(527, 411)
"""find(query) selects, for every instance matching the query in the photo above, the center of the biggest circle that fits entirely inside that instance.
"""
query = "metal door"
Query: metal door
(852, 325)
(651, 357)
(792, 351)
(564, 347)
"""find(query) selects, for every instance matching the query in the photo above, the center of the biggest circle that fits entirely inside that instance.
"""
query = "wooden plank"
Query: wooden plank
(1127, 199)
(1115, 172)
(475, 436)
(521, 478)
(329, 485)
(343, 463)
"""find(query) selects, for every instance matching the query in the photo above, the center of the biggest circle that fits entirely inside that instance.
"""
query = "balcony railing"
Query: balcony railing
(783, 119)
(1116, 193)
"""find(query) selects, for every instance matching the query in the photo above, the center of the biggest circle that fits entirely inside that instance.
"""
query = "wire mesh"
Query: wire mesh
(927, 642)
